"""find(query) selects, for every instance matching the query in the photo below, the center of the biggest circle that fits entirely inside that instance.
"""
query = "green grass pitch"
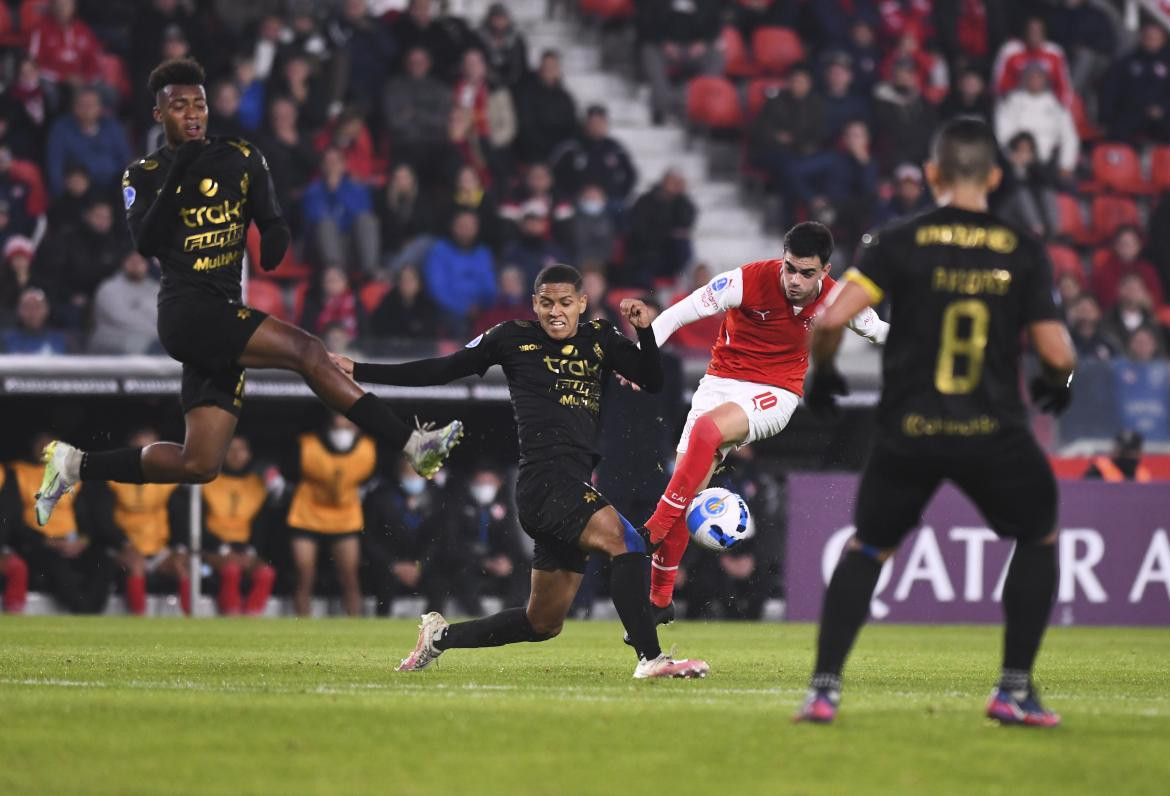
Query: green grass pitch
(121, 706)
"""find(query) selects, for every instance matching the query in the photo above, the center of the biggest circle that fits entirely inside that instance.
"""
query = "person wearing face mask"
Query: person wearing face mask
(592, 229)
(475, 549)
(399, 516)
(330, 465)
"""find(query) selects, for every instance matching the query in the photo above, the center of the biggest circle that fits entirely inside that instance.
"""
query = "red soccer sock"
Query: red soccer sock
(15, 584)
(262, 579)
(185, 595)
(229, 589)
(690, 472)
(664, 563)
(136, 594)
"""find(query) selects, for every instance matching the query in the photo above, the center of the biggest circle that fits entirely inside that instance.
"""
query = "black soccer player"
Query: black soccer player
(189, 204)
(555, 370)
(962, 287)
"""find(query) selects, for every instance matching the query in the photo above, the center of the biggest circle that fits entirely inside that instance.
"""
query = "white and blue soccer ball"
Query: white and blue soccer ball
(718, 519)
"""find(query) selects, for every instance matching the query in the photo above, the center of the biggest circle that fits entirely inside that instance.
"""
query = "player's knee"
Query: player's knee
(198, 472)
(544, 628)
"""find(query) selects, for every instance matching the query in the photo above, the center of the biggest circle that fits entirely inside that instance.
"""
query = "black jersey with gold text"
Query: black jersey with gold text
(962, 288)
(226, 188)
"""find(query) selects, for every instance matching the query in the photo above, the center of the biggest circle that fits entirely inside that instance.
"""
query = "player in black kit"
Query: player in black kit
(555, 370)
(962, 287)
(189, 204)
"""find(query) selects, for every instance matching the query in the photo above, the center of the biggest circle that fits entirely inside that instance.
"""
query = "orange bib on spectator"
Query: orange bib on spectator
(231, 503)
(327, 498)
(64, 519)
(140, 510)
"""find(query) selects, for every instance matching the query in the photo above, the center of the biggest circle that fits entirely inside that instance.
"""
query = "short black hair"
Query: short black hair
(810, 239)
(964, 150)
(558, 274)
(176, 72)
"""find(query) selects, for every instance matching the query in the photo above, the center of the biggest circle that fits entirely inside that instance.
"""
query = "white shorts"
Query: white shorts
(768, 408)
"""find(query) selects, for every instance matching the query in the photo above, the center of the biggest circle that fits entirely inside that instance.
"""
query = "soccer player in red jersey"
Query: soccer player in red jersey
(754, 381)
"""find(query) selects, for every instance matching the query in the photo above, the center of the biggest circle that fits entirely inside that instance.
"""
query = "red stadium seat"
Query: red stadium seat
(31, 12)
(713, 102)
(1086, 129)
(1110, 212)
(775, 49)
(1158, 467)
(1071, 468)
(1072, 220)
(737, 62)
(1116, 167)
(267, 297)
(1097, 261)
(1065, 260)
(758, 92)
(372, 293)
(288, 270)
(299, 294)
(608, 9)
(1160, 169)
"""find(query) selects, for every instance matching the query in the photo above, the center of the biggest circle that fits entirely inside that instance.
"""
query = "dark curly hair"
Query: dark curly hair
(176, 72)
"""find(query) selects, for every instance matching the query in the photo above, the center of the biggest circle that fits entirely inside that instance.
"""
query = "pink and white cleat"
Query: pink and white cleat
(425, 651)
(666, 666)
(820, 706)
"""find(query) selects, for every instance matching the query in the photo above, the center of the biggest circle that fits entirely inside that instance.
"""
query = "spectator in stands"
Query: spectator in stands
(459, 275)
(32, 333)
(1033, 50)
(300, 81)
(1135, 96)
(910, 196)
(533, 249)
(835, 20)
(1084, 324)
(470, 193)
(407, 218)
(365, 50)
(399, 518)
(700, 335)
(1086, 34)
(17, 193)
(475, 548)
(968, 97)
(23, 112)
(148, 533)
(513, 299)
(332, 303)
(492, 112)
(329, 466)
(253, 95)
(224, 118)
(464, 147)
(65, 48)
(415, 111)
(1124, 464)
(348, 132)
(933, 76)
(748, 15)
(596, 287)
(291, 159)
(68, 210)
(863, 49)
(1029, 192)
(406, 312)
(1033, 108)
(1145, 345)
(1124, 258)
(592, 230)
(71, 265)
(678, 42)
(89, 138)
(546, 111)
(504, 46)
(904, 120)
(1133, 310)
(906, 17)
(444, 38)
(1069, 286)
(13, 568)
(125, 310)
(537, 195)
(790, 126)
(234, 526)
(593, 157)
(969, 31)
(151, 23)
(838, 186)
(61, 555)
(15, 276)
(842, 104)
(661, 224)
(339, 216)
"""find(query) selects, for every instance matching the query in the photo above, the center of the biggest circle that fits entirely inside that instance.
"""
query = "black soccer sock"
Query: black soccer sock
(1028, 592)
(627, 589)
(506, 627)
(374, 417)
(844, 611)
(123, 465)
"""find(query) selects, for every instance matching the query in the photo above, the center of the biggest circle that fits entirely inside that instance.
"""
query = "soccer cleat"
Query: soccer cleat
(666, 666)
(428, 447)
(1020, 707)
(820, 706)
(662, 616)
(55, 484)
(425, 651)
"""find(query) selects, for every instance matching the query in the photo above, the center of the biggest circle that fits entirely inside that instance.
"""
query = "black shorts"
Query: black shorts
(208, 334)
(1010, 481)
(554, 507)
(322, 538)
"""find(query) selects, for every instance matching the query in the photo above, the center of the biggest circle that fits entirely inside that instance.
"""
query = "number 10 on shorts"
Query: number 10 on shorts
(764, 401)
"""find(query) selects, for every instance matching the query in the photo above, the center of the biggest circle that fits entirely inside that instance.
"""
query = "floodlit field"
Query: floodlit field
(115, 705)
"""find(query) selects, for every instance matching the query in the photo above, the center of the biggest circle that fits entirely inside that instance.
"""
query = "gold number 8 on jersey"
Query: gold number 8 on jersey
(970, 346)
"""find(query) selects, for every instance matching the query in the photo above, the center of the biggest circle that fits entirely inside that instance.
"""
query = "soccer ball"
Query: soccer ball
(718, 519)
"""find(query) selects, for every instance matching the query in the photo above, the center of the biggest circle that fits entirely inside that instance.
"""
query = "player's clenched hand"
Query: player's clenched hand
(622, 380)
(344, 364)
(637, 313)
(1049, 395)
(821, 396)
(187, 154)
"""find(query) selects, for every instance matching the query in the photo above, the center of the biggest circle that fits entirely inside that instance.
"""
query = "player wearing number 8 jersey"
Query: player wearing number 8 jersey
(754, 380)
(962, 287)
